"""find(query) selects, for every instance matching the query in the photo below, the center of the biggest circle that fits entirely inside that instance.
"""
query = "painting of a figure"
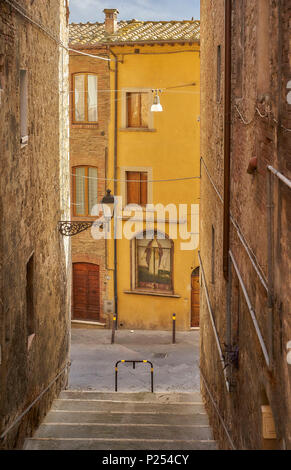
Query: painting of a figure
(154, 264)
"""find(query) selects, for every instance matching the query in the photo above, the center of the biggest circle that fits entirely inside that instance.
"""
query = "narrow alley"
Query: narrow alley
(145, 226)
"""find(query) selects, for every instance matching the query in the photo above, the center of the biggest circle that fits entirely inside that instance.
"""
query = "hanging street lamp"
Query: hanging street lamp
(156, 106)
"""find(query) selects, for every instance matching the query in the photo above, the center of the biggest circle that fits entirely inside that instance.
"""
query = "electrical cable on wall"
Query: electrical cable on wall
(263, 116)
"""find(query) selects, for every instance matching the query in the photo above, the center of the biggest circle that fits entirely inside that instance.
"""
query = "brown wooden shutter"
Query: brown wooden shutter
(133, 187)
(133, 109)
(137, 109)
(144, 118)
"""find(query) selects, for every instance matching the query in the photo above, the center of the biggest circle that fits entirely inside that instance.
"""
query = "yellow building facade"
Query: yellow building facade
(153, 158)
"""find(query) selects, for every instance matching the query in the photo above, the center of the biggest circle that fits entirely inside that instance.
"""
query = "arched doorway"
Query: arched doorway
(86, 292)
(195, 302)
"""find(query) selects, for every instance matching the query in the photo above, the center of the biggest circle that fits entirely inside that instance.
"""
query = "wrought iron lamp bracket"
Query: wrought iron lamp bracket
(69, 228)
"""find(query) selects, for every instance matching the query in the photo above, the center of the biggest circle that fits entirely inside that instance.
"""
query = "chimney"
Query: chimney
(111, 20)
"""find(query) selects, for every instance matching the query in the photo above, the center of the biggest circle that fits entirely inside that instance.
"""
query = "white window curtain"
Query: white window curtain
(80, 191)
(92, 98)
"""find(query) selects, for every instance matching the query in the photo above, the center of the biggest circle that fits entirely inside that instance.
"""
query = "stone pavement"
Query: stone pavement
(175, 365)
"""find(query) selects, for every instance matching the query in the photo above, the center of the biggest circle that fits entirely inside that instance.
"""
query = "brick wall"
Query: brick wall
(88, 146)
(260, 71)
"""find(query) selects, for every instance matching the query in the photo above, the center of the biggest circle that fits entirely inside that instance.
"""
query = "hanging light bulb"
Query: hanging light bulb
(156, 106)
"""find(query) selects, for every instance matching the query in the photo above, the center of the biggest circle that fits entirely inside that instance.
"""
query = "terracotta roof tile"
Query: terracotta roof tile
(135, 31)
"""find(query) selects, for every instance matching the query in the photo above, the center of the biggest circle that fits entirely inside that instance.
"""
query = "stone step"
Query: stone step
(194, 397)
(127, 406)
(120, 444)
(91, 420)
(117, 417)
(124, 431)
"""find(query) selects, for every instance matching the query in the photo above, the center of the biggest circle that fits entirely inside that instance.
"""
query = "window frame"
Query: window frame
(86, 74)
(86, 190)
(134, 267)
(124, 116)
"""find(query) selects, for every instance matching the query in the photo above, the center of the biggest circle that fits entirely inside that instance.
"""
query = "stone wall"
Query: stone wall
(261, 60)
(34, 336)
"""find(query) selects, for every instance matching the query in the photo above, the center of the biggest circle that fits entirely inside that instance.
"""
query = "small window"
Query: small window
(138, 105)
(85, 98)
(137, 187)
(23, 107)
(84, 190)
(30, 323)
(218, 89)
(154, 260)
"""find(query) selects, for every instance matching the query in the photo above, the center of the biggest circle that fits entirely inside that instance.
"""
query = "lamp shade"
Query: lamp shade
(156, 106)
(107, 204)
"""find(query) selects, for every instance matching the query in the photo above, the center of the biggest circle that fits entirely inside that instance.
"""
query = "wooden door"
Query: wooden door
(86, 292)
(195, 302)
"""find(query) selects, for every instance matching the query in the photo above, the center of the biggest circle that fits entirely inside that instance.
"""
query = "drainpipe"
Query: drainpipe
(227, 132)
(115, 178)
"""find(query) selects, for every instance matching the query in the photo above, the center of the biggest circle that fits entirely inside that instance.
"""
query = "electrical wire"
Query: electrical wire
(137, 181)
(90, 55)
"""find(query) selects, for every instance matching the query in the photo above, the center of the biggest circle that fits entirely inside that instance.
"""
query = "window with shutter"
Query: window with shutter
(138, 109)
(137, 187)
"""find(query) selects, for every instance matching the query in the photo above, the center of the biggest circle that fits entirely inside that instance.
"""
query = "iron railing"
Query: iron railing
(133, 364)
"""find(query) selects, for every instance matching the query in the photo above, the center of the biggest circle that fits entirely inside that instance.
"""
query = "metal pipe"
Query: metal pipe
(280, 176)
(217, 411)
(227, 133)
(270, 263)
(115, 179)
(228, 314)
(213, 324)
(252, 312)
(228, 304)
(4, 433)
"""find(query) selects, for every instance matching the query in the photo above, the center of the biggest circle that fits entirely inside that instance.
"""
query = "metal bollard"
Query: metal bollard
(113, 329)
(174, 328)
